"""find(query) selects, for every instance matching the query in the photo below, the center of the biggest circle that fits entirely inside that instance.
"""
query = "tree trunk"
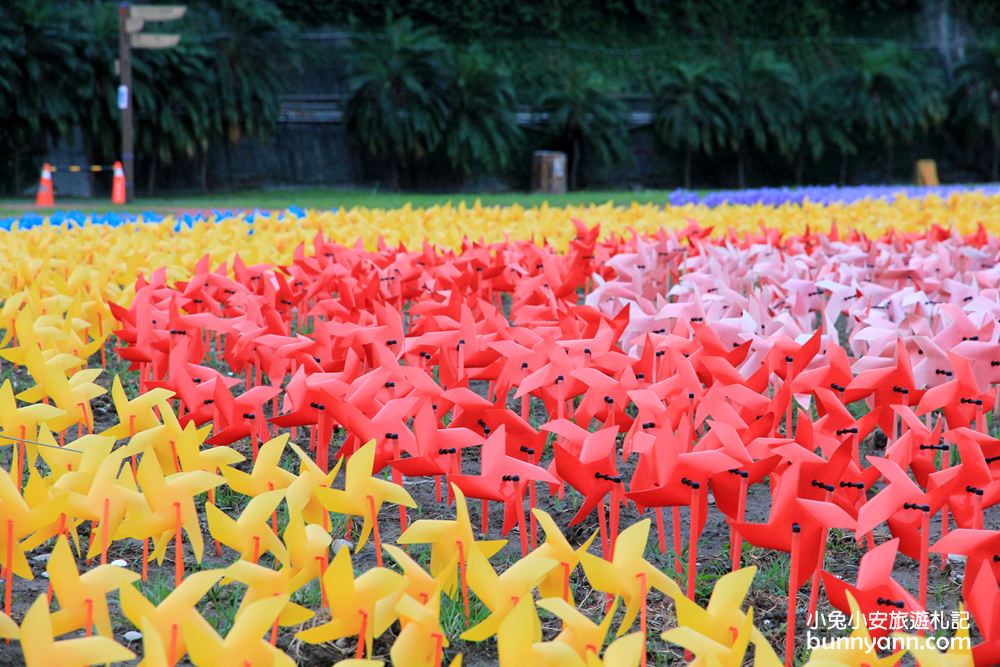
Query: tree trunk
(203, 176)
(394, 175)
(740, 170)
(891, 160)
(151, 183)
(574, 165)
(687, 168)
(17, 173)
(995, 166)
(800, 163)
(843, 168)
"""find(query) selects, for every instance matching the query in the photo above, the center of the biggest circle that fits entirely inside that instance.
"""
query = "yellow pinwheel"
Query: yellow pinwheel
(710, 653)
(176, 609)
(19, 429)
(722, 620)
(17, 521)
(72, 394)
(959, 655)
(107, 496)
(420, 585)
(8, 628)
(243, 644)
(556, 547)
(856, 649)
(519, 641)
(154, 651)
(363, 496)
(266, 475)
(364, 607)
(501, 593)
(262, 583)
(308, 550)
(250, 535)
(138, 414)
(629, 575)
(84, 455)
(171, 509)
(41, 648)
(628, 651)
(422, 639)
(585, 637)
(51, 519)
(451, 542)
(303, 492)
(83, 599)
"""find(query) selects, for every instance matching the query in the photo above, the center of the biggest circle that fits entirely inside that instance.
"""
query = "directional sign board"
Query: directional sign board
(157, 12)
(152, 40)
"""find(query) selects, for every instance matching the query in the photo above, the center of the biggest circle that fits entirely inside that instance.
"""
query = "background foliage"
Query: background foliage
(734, 91)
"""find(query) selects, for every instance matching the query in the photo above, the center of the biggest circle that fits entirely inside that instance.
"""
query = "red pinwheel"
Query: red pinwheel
(981, 549)
(907, 508)
(438, 450)
(876, 591)
(502, 479)
(669, 476)
(243, 416)
(795, 526)
(593, 479)
(977, 489)
(984, 606)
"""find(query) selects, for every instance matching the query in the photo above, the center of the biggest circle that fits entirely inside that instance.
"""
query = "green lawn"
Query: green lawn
(327, 198)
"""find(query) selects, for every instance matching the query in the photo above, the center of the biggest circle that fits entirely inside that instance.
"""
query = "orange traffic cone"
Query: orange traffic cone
(118, 185)
(45, 195)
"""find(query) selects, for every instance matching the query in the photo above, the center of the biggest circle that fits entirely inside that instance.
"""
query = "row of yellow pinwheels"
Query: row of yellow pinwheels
(100, 258)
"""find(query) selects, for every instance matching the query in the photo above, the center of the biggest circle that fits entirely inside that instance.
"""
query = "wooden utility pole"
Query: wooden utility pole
(131, 19)
(125, 99)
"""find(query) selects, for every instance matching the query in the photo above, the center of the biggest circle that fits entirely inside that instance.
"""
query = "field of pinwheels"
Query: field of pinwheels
(727, 430)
